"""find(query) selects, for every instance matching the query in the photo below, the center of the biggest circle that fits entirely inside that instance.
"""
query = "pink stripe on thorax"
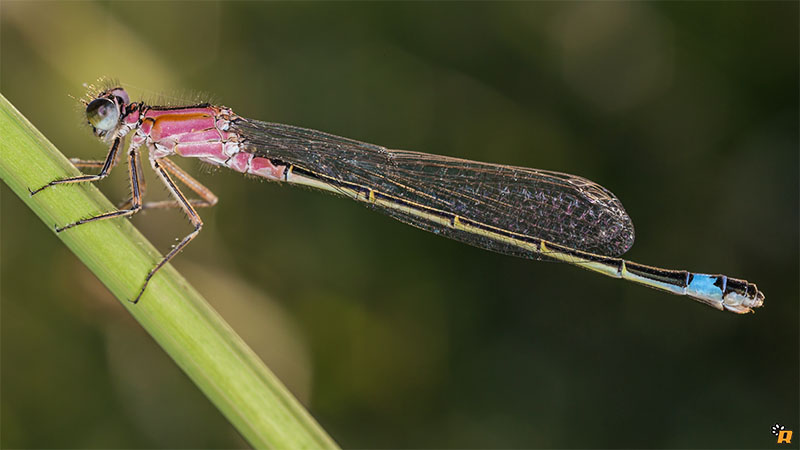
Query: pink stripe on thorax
(212, 150)
(200, 136)
(168, 126)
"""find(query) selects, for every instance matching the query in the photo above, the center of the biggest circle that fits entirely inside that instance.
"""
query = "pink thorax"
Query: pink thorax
(201, 132)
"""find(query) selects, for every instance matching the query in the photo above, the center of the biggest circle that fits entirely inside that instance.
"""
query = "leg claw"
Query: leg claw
(36, 191)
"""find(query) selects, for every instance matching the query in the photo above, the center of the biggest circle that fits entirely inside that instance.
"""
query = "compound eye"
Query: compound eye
(102, 114)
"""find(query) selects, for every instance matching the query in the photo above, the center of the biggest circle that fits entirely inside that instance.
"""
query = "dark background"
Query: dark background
(394, 337)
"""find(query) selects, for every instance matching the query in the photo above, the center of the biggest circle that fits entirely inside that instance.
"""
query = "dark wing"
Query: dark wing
(557, 207)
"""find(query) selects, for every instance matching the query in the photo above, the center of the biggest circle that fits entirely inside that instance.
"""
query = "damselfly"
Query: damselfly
(529, 213)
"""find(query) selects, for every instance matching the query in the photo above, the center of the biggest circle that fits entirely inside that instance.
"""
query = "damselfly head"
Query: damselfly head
(105, 111)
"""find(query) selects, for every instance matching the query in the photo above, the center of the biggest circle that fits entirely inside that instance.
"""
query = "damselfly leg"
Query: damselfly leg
(107, 165)
(136, 203)
(207, 198)
(163, 167)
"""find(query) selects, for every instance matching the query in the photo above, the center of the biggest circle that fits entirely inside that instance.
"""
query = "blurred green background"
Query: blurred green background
(391, 336)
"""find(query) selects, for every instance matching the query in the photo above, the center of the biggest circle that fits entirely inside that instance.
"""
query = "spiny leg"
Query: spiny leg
(95, 163)
(108, 164)
(136, 203)
(142, 188)
(87, 163)
(163, 168)
(207, 198)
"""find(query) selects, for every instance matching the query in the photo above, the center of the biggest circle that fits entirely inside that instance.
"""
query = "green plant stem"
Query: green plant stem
(174, 314)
